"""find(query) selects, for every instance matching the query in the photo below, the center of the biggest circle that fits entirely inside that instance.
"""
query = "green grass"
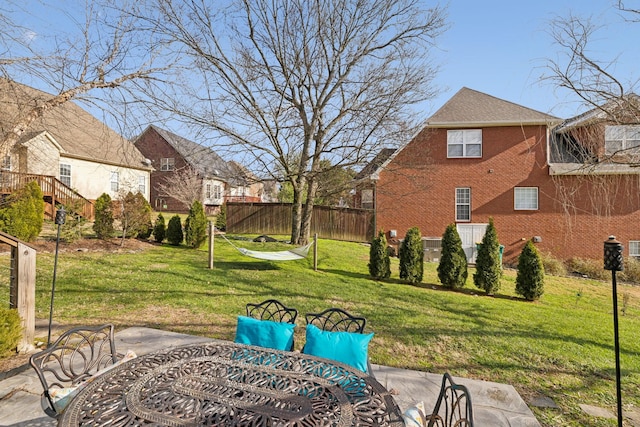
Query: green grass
(560, 347)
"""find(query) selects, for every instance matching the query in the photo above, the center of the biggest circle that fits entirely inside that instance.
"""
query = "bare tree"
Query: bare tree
(294, 83)
(184, 185)
(100, 53)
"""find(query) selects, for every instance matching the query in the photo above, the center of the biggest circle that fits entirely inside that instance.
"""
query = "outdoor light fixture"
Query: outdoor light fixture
(60, 218)
(613, 261)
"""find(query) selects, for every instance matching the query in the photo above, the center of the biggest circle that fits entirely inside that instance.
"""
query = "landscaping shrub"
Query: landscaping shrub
(160, 229)
(553, 265)
(488, 264)
(134, 215)
(24, 215)
(10, 331)
(452, 269)
(195, 226)
(174, 231)
(379, 262)
(103, 223)
(71, 230)
(530, 276)
(221, 218)
(589, 268)
(631, 271)
(412, 257)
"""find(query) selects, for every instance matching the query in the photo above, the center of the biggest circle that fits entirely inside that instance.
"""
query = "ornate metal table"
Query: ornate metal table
(227, 384)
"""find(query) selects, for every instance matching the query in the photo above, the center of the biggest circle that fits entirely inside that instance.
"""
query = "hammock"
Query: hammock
(290, 255)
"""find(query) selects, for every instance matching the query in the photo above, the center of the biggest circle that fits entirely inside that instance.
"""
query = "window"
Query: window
(525, 198)
(65, 174)
(367, 199)
(634, 248)
(167, 164)
(6, 163)
(464, 143)
(217, 192)
(161, 204)
(618, 138)
(114, 181)
(142, 184)
(207, 191)
(463, 204)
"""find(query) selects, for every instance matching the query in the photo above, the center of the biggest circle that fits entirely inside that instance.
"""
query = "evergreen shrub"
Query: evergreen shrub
(175, 235)
(10, 331)
(103, 222)
(160, 229)
(379, 262)
(530, 277)
(488, 264)
(411, 257)
(452, 269)
(221, 218)
(195, 226)
(24, 215)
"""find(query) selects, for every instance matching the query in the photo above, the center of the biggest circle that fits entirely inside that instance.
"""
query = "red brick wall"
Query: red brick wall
(418, 189)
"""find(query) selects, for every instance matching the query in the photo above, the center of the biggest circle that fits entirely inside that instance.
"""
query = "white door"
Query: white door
(470, 234)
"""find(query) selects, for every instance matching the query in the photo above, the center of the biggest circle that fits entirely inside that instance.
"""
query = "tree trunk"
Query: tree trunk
(307, 213)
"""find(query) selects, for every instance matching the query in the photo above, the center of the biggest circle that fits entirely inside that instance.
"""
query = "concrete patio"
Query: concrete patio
(494, 404)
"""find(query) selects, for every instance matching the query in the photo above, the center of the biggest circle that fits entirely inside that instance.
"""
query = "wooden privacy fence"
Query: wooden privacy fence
(353, 225)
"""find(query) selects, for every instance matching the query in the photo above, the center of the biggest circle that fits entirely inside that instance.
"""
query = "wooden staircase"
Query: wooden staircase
(54, 192)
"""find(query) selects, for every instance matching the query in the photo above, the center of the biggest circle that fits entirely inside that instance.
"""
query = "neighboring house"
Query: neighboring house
(216, 180)
(364, 191)
(480, 157)
(68, 145)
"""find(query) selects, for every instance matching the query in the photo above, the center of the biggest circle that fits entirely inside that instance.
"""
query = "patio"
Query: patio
(494, 404)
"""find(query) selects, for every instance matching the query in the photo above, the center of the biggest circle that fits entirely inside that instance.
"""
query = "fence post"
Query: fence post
(315, 252)
(211, 237)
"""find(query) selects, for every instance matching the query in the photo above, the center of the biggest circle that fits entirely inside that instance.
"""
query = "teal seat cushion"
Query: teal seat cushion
(264, 333)
(347, 347)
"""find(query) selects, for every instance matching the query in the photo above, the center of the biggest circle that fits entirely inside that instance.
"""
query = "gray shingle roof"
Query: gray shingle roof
(469, 107)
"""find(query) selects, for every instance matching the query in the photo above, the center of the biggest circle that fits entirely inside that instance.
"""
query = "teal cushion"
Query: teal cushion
(264, 333)
(347, 347)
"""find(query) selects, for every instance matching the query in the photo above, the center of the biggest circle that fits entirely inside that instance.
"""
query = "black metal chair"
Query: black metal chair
(73, 358)
(273, 310)
(457, 410)
(338, 320)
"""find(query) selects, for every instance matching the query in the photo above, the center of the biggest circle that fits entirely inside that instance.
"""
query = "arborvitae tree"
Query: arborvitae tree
(488, 264)
(412, 257)
(530, 277)
(103, 223)
(379, 262)
(145, 226)
(452, 269)
(160, 229)
(195, 226)
(24, 216)
(221, 218)
(174, 231)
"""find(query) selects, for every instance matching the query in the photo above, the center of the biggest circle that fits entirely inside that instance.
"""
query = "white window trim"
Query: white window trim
(461, 204)
(465, 142)
(63, 177)
(626, 143)
(636, 252)
(167, 164)
(528, 208)
(115, 182)
(142, 184)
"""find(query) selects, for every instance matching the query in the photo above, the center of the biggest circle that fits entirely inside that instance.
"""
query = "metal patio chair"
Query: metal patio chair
(273, 310)
(453, 407)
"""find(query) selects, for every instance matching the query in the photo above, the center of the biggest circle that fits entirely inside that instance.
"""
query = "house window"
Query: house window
(217, 192)
(619, 138)
(634, 248)
(464, 143)
(167, 164)
(6, 163)
(525, 198)
(142, 184)
(65, 174)
(161, 204)
(207, 191)
(463, 204)
(114, 181)
(367, 199)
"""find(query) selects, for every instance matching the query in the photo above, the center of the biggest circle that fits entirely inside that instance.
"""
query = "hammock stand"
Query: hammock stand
(298, 253)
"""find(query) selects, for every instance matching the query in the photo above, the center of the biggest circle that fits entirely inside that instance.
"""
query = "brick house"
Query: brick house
(218, 181)
(479, 157)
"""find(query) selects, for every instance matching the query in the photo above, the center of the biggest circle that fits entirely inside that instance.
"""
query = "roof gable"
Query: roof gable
(469, 108)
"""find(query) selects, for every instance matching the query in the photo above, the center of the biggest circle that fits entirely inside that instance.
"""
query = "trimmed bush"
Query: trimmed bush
(10, 331)
(221, 218)
(412, 257)
(174, 231)
(195, 226)
(24, 216)
(379, 262)
(103, 223)
(530, 277)
(488, 264)
(452, 269)
(160, 229)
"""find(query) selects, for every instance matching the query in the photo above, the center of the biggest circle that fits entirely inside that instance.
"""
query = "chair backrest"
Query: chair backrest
(453, 407)
(74, 357)
(272, 309)
(336, 319)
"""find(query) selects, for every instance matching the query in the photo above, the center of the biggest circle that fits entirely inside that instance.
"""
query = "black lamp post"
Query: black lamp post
(60, 218)
(613, 261)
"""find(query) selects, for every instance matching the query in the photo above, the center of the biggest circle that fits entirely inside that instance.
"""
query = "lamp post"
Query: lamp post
(613, 261)
(60, 218)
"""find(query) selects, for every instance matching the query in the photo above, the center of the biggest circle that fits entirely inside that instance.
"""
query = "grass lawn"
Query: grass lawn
(560, 347)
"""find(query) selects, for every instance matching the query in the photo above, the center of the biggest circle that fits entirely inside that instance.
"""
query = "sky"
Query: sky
(501, 47)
